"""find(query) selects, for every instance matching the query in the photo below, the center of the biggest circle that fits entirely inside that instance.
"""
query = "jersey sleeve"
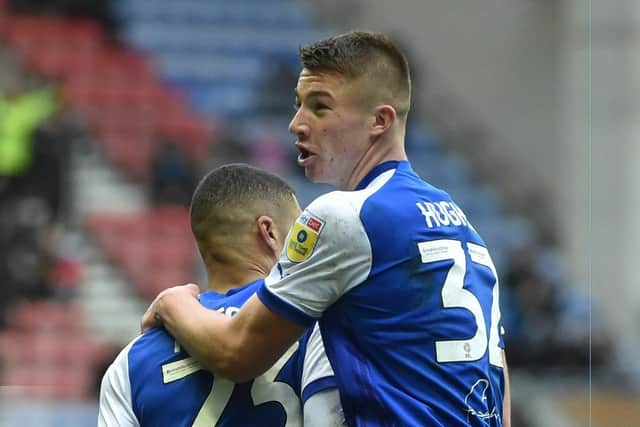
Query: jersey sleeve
(116, 409)
(323, 409)
(317, 374)
(327, 253)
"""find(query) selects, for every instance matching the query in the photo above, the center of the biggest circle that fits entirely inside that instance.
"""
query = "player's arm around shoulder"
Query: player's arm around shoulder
(116, 407)
(239, 348)
(317, 263)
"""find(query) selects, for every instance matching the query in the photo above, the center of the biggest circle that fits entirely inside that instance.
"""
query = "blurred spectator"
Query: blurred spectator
(275, 96)
(24, 263)
(23, 109)
(50, 174)
(231, 147)
(270, 154)
(546, 328)
(35, 141)
(34, 146)
(172, 179)
(65, 251)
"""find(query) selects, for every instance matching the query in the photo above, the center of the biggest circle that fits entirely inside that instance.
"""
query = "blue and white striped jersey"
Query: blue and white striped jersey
(153, 382)
(407, 299)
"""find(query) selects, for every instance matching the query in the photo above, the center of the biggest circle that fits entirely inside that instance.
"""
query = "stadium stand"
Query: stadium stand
(150, 246)
(113, 89)
(47, 353)
(190, 74)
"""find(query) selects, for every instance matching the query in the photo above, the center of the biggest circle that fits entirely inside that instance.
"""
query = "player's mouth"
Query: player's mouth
(305, 156)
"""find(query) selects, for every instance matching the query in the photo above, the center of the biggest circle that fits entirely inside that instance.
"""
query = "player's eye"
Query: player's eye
(319, 107)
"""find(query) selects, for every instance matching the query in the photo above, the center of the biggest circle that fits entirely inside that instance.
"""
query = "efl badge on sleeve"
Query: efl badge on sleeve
(303, 237)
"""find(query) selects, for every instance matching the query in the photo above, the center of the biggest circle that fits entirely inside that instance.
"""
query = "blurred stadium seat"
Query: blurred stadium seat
(153, 248)
(47, 353)
(184, 70)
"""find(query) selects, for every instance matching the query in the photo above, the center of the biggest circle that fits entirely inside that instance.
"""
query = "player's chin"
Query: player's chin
(318, 178)
(311, 176)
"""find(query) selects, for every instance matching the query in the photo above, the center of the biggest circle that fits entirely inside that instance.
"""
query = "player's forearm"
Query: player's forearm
(202, 333)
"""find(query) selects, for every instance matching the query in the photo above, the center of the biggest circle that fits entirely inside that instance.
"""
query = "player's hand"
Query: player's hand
(152, 318)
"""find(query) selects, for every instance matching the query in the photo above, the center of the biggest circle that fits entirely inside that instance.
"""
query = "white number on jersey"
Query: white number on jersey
(455, 295)
(264, 389)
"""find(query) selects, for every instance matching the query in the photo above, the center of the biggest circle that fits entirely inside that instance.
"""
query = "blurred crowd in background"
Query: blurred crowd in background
(149, 120)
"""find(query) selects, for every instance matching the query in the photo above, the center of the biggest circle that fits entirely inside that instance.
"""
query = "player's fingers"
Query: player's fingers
(193, 289)
(149, 320)
(144, 323)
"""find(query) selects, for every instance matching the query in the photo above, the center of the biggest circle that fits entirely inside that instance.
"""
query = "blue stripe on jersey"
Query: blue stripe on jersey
(283, 308)
(178, 402)
(152, 350)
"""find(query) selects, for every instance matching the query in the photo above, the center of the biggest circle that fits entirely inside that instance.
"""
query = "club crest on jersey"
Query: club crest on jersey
(303, 237)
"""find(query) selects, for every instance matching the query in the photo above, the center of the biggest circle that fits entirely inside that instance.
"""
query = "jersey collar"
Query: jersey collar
(379, 169)
(235, 290)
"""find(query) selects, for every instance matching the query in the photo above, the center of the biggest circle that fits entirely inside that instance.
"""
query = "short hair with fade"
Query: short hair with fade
(231, 197)
(359, 54)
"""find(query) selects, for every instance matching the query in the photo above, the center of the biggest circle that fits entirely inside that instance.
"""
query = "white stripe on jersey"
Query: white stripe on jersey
(116, 409)
(316, 363)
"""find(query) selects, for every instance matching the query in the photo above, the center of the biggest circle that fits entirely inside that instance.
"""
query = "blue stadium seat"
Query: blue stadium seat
(477, 202)
(504, 233)
(421, 140)
(441, 170)
(208, 68)
(226, 99)
(249, 39)
(264, 14)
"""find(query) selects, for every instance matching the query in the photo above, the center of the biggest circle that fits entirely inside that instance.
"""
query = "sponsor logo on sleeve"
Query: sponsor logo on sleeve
(303, 237)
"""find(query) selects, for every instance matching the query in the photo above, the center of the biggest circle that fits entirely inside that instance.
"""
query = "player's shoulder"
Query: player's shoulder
(345, 205)
(124, 353)
(120, 366)
(336, 205)
(149, 349)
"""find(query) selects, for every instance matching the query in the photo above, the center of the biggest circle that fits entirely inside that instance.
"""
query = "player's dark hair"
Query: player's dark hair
(362, 53)
(230, 192)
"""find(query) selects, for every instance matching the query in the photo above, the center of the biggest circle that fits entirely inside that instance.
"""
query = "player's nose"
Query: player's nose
(298, 127)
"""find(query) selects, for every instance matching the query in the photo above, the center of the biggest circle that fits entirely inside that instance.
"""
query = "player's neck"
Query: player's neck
(222, 278)
(378, 153)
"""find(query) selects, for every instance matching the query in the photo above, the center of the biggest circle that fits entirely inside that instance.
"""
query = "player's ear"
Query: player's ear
(384, 117)
(267, 233)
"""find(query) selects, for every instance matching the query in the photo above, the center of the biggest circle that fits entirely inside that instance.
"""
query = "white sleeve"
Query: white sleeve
(321, 400)
(327, 254)
(316, 364)
(116, 409)
(324, 410)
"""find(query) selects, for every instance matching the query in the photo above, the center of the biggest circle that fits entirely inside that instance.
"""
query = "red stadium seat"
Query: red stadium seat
(44, 340)
(148, 246)
(33, 317)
